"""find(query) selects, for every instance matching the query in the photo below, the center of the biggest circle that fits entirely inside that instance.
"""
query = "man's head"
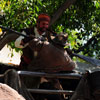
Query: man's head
(43, 21)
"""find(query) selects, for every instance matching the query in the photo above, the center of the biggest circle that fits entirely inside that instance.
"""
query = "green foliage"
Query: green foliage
(20, 13)
(81, 21)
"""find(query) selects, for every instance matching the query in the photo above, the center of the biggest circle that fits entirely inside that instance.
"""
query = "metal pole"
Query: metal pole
(51, 75)
(43, 91)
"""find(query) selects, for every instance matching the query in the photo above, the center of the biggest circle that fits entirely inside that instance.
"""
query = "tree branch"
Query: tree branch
(9, 37)
(59, 12)
(88, 43)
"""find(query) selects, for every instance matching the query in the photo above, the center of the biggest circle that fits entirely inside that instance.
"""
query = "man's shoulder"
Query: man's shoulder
(29, 30)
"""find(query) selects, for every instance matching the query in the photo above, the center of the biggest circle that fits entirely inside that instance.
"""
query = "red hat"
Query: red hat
(43, 17)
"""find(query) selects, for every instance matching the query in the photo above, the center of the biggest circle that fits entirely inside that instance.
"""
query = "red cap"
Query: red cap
(43, 17)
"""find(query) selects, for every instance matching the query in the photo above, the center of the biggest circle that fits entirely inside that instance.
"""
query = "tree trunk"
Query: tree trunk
(59, 12)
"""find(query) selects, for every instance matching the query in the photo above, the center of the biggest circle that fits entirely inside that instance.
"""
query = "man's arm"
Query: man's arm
(19, 41)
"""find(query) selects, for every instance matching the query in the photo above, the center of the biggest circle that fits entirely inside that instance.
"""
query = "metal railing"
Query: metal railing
(51, 75)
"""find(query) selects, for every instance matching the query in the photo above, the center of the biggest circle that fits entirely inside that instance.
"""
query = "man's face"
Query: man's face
(43, 26)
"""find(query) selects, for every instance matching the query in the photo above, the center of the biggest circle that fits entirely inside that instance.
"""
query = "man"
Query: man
(40, 29)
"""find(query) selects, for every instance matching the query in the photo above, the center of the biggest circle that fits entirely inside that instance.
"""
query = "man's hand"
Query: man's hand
(69, 51)
(27, 39)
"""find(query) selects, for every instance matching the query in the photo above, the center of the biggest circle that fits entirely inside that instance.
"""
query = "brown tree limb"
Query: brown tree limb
(9, 37)
(59, 12)
(88, 43)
